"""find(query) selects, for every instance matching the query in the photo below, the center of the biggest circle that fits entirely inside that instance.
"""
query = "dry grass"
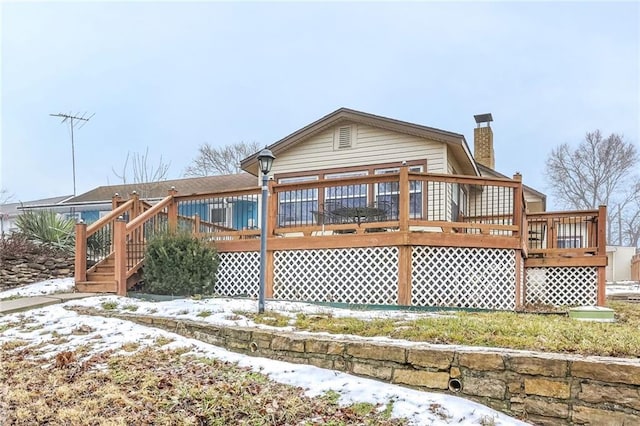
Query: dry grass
(158, 387)
(548, 333)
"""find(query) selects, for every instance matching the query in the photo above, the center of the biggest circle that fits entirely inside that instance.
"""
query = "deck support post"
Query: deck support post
(136, 208)
(268, 290)
(602, 251)
(520, 280)
(80, 267)
(518, 207)
(404, 275)
(115, 201)
(196, 223)
(120, 256)
(403, 200)
(172, 211)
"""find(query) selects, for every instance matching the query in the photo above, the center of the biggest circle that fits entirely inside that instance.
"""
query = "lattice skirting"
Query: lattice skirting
(354, 275)
(562, 286)
(463, 277)
(238, 274)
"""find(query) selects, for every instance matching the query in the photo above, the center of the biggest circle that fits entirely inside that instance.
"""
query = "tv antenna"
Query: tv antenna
(82, 119)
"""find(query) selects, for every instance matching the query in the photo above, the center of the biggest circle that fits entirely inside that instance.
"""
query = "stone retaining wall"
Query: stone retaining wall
(17, 271)
(545, 389)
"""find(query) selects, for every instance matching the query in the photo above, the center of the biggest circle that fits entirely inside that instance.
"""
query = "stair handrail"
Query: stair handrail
(126, 232)
(83, 232)
(139, 220)
(114, 214)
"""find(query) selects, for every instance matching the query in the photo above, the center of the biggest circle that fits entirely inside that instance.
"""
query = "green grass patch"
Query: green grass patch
(540, 332)
(271, 318)
(109, 306)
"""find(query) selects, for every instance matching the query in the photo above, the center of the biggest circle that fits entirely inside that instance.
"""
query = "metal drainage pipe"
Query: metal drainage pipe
(253, 346)
(455, 385)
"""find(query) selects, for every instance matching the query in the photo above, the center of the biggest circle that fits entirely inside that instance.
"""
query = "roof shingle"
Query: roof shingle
(185, 186)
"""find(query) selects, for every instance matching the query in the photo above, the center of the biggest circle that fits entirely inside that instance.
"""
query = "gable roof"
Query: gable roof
(185, 186)
(454, 140)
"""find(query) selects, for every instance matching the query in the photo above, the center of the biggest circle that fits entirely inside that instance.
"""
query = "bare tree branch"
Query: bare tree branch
(220, 161)
(146, 176)
(600, 171)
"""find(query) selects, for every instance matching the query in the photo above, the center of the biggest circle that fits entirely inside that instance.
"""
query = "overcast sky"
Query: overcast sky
(172, 76)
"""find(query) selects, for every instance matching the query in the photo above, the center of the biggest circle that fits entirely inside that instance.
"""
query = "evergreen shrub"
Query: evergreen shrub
(179, 265)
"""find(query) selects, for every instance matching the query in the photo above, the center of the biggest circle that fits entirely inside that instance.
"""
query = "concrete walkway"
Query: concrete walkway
(33, 302)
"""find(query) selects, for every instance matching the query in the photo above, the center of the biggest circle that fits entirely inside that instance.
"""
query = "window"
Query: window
(458, 202)
(344, 137)
(296, 207)
(75, 216)
(569, 242)
(346, 195)
(388, 193)
(221, 214)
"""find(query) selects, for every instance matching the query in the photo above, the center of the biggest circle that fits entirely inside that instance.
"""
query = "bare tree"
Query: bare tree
(629, 219)
(220, 161)
(600, 171)
(137, 170)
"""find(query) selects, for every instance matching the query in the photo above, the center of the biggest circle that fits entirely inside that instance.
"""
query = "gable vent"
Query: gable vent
(344, 137)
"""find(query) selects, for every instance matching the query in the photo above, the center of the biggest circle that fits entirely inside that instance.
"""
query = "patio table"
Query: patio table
(360, 214)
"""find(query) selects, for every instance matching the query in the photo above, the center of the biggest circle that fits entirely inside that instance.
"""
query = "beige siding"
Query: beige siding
(371, 146)
(535, 203)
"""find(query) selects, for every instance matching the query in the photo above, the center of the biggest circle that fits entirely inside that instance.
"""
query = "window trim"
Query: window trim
(418, 190)
(370, 169)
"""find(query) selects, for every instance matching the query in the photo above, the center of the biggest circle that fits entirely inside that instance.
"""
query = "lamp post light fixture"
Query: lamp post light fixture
(265, 161)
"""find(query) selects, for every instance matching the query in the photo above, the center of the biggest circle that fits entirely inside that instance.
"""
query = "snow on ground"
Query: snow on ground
(623, 287)
(42, 288)
(111, 333)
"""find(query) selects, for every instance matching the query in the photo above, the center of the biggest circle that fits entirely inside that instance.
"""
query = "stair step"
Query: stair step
(96, 286)
(100, 276)
(105, 268)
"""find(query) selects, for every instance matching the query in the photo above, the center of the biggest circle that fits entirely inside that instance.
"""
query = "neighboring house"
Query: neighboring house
(619, 263)
(92, 205)
(9, 212)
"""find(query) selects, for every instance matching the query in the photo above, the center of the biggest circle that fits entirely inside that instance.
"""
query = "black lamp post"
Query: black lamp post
(265, 161)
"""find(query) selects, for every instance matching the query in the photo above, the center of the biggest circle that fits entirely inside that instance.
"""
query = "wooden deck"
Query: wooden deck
(404, 210)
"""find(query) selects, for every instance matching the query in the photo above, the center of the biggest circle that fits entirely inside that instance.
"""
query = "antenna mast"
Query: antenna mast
(70, 117)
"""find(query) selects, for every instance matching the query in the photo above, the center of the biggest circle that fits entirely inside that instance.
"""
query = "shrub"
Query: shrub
(46, 227)
(17, 245)
(179, 264)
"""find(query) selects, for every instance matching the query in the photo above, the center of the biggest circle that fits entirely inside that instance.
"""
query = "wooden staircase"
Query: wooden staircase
(117, 242)
(101, 277)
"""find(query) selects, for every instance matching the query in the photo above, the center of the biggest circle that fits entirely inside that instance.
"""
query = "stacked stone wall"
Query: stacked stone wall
(16, 271)
(544, 389)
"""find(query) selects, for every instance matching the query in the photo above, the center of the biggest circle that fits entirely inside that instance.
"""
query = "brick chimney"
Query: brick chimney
(483, 141)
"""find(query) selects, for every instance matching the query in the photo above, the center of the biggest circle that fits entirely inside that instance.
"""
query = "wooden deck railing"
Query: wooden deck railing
(401, 209)
(567, 234)
(94, 242)
(471, 207)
